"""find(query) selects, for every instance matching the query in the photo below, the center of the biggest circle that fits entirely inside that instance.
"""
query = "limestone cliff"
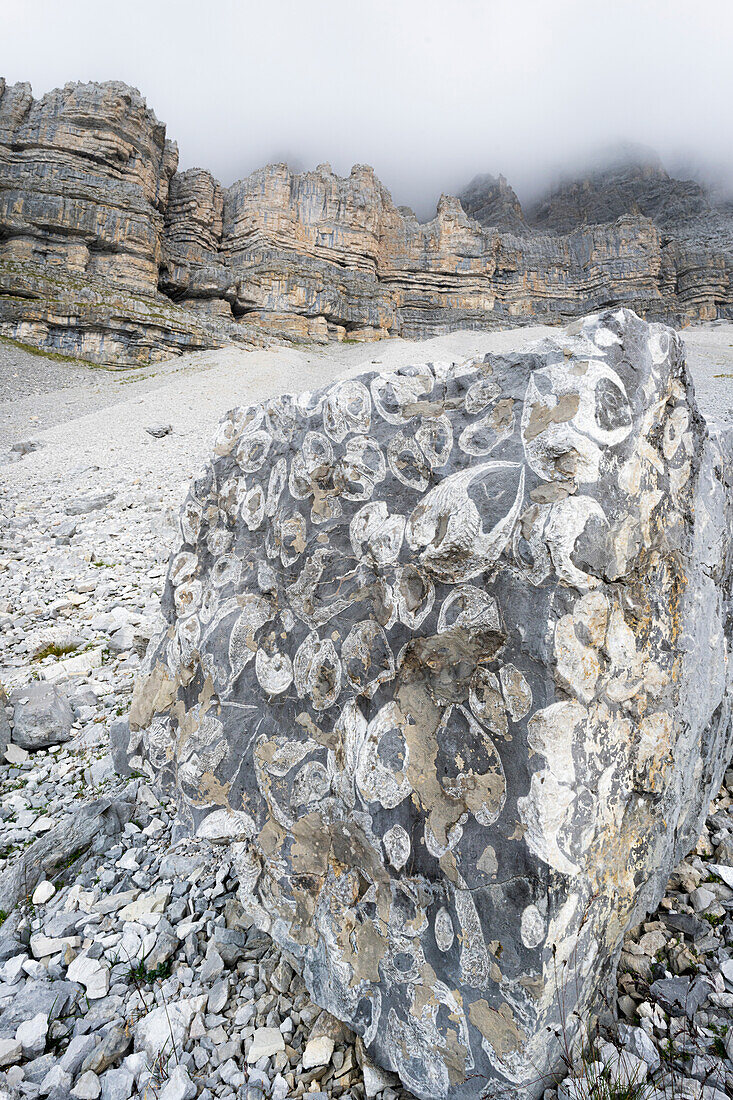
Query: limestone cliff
(491, 201)
(84, 181)
(108, 253)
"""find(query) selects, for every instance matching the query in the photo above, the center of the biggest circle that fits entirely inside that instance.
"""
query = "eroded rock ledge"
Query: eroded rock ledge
(107, 252)
(432, 675)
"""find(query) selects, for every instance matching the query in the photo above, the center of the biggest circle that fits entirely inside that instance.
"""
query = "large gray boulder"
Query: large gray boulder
(41, 717)
(447, 670)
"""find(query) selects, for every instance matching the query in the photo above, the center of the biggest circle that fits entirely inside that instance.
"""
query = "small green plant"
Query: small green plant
(140, 972)
(595, 1083)
(66, 862)
(3, 916)
(53, 649)
(713, 920)
(719, 1047)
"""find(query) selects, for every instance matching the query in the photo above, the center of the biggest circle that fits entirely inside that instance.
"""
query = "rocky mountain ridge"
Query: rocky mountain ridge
(108, 253)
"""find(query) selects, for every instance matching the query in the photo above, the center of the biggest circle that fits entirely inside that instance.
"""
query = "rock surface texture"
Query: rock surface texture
(432, 675)
(108, 253)
(84, 180)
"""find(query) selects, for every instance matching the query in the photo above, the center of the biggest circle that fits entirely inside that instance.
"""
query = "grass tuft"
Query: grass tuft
(140, 972)
(54, 650)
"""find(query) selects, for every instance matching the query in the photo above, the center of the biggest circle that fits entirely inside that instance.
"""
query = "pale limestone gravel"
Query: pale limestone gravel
(99, 419)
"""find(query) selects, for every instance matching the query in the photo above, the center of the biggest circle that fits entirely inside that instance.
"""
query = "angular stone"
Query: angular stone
(56, 1078)
(679, 996)
(317, 1052)
(37, 998)
(11, 1051)
(41, 717)
(166, 1027)
(266, 1041)
(43, 892)
(43, 946)
(119, 739)
(376, 1079)
(93, 502)
(165, 947)
(218, 996)
(15, 755)
(4, 724)
(122, 640)
(637, 1042)
(117, 1084)
(90, 821)
(76, 1052)
(81, 665)
(35, 1070)
(114, 902)
(154, 902)
(625, 1070)
(90, 973)
(113, 1046)
(723, 871)
(32, 1035)
(87, 1087)
(432, 667)
(702, 899)
(179, 1086)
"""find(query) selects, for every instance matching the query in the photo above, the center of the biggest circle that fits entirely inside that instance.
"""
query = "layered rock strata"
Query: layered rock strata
(431, 674)
(696, 232)
(107, 252)
(84, 180)
(334, 256)
(491, 201)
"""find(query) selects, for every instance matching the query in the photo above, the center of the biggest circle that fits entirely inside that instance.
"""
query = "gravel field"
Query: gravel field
(131, 933)
(37, 393)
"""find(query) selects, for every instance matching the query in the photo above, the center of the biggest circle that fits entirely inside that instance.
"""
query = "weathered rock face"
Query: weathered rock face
(432, 672)
(310, 249)
(315, 255)
(108, 253)
(84, 179)
(492, 202)
(192, 269)
(696, 233)
(637, 187)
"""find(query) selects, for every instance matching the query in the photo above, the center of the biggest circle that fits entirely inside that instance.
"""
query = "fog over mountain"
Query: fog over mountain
(430, 93)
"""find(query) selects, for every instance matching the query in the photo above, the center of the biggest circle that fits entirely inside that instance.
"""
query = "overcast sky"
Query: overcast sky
(430, 92)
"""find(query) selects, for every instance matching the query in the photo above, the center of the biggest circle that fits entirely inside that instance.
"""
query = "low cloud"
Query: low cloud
(430, 93)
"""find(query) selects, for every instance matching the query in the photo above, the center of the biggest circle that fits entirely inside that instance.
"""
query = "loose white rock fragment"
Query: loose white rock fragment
(81, 665)
(14, 754)
(32, 1035)
(318, 1052)
(179, 1086)
(92, 974)
(43, 892)
(88, 1086)
(167, 1026)
(154, 902)
(11, 1051)
(44, 946)
(266, 1041)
